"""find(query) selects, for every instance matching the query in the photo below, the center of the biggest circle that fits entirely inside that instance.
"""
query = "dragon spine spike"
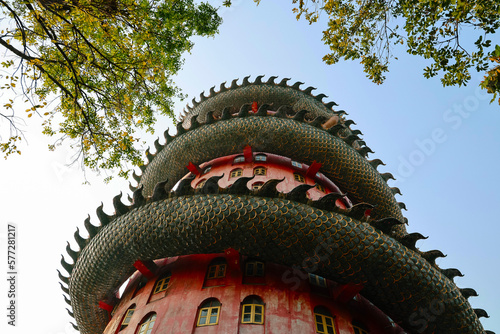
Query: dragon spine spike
(66, 299)
(308, 90)
(212, 91)
(149, 156)
(194, 122)
(245, 81)
(131, 187)
(299, 193)
(130, 199)
(91, 229)
(396, 190)
(356, 132)
(283, 82)
(79, 240)
(203, 97)
(234, 84)
(268, 189)
(481, 313)
(271, 79)
(137, 197)
(297, 85)
(320, 97)
(363, 151)
(222, 87)
(64, 289)
(68, 267)
(258, 80)
(62, 278)
(167, 137)
(103, 217)
(194, 102)
(411, 239)
(387, 176)
(334, 130)
(136, 177)
(386, 224)
(349, 122)
(75, 326)
(159, 191)
(211, 186)
(351, 139)
(327, 202)
(262, 111)
(184, 187)
(226, 113)
(358, 211)
(402, 206)
(283, 111)
(120, 208)
(451, 273)
(432, 255)
(158, 146)
(331, 104)
(73, 254)
(240, 186)
(244, 110)
(318, 121)
(180, 129)
(210, 117)
(375, 163)
(70, 313)
(489, 332)
(299, 116)
(468, 292)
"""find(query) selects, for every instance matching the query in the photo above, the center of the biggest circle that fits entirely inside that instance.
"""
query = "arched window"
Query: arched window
(254, 268)
(236, 173)
(207, 169)
(127, 317)
(257, 185)
(260, 157)
(239, 159)
(147, 324)
(259, 170)
(252, 310)
(299, 178)
(296, 164)
(209, 313)
(324, 320)
(217, 268)
(162, 283)
(359, 328)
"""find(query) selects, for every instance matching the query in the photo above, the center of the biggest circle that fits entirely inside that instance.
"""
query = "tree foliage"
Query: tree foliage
(107, 63)
(370, 30)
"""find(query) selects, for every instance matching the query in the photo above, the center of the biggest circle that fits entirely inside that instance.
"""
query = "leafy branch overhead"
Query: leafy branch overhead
(370, 30)
(109, 63)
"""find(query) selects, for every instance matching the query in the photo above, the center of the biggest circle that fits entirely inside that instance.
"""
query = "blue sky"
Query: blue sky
(441, 144)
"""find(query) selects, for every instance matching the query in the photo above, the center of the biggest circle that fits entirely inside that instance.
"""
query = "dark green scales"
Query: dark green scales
(280, 228)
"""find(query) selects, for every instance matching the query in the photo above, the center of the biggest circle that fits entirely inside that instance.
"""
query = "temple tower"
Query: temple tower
(261, 215)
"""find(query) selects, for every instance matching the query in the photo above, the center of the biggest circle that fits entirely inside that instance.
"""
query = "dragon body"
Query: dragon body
(165, 221)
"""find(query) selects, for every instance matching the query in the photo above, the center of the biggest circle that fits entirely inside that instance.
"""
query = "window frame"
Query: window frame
(257, 185)
(209, 313)
(296, 164)
(252, 314)
(255, 264)
(258, 169)
(149, 322)
(299, 177)
(260, 157)
(325, 316)
(359, 328)
(217, 269)
(237, 172)
(239, 159)
(166, 276)
(318, 280)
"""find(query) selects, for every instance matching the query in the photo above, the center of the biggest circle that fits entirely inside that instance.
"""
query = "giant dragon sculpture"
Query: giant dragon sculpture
(162, 221)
